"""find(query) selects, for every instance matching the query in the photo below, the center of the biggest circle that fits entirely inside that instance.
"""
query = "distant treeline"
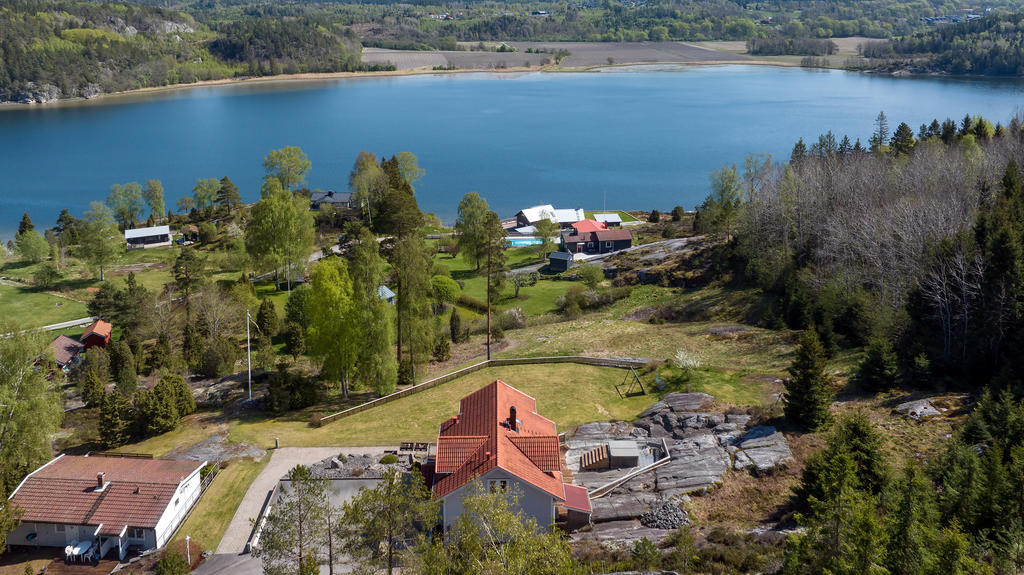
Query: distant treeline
(992, 46)
(73, 48)
(795, 46)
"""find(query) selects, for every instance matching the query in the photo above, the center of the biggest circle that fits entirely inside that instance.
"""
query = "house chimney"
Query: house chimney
(512, 418)
(99, 480)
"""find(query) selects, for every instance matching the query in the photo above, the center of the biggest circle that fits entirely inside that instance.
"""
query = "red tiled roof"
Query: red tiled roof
(479, 440)
(584, 226)
(577, 498)
(136, 492)
(98, 327)
(65, 349)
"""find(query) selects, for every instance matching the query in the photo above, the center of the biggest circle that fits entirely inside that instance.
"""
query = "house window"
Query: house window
(608, 245)
(59, 528)
(136, 533)
(177, 501)
(590, 245)
(499, 486)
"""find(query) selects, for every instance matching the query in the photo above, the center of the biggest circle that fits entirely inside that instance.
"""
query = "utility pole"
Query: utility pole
(248, 351)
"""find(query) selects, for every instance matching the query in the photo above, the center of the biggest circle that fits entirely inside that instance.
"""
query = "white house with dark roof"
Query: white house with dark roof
(153, 237)
(112, 503)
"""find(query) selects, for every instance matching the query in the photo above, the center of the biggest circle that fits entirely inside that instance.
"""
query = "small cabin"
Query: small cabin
(97, 334)
(142, 238)
(559, 261)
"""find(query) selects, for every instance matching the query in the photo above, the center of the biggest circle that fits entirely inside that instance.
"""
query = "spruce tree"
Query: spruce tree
(808, 390)
(879, 370)
(266, 318)
(911, 528)
(26, 224)
(115, 420)
(122, 366)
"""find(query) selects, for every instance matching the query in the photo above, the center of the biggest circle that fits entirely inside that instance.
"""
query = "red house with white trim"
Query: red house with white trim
(499, 438)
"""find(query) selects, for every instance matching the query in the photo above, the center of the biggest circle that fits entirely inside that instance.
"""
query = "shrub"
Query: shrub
(286, 390)
(473, 303)
(46, 276)
(405, 372)
(442, 349)
(445, 290)
(207, 232)
(172, 563)
(389, 458)
(644, 554)
(655, 217)
(677, 213)
(512, 319)
(497, 334)
(590, 274)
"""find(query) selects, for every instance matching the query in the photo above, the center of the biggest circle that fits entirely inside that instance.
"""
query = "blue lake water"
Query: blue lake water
(632, 138)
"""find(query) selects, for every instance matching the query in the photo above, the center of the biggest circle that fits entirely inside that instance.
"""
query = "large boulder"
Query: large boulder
(698, 464)
(619, 507)
(918, 410)
(761, 450)
(688, 402)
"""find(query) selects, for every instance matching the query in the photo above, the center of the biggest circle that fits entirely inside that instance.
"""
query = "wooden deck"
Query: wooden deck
(58, 567)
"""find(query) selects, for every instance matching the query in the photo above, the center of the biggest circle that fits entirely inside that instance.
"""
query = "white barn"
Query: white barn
(115, 503)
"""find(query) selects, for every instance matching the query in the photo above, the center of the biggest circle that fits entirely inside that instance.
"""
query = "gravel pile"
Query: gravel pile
(664, 515)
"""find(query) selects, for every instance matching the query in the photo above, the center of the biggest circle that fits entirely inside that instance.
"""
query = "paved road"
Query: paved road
(281, 461)
(72, 323)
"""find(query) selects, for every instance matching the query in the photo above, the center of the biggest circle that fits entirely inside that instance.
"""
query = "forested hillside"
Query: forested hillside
(913, 247)
(53, 50)
(990, 46)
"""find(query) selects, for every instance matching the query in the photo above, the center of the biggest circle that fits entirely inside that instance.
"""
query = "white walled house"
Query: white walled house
(153, 237)
(114, 502)
(499, 439)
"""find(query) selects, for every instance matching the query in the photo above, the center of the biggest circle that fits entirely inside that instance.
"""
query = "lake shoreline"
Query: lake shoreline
(326, 76)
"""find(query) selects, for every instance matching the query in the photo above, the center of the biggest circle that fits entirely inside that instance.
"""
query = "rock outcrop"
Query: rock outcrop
(918, 410)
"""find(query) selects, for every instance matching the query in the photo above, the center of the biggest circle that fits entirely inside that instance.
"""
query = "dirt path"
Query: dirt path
(281, 461)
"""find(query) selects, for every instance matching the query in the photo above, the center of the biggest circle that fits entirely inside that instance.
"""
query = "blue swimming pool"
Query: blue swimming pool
(520, 242)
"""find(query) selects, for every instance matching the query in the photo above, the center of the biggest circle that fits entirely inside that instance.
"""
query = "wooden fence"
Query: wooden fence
(619, 362)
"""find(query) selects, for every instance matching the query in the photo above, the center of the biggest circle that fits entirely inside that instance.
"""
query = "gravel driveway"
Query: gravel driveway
(281, 461)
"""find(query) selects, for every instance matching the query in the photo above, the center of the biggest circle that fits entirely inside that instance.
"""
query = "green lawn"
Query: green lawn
(626, 217)
(569, 394)
(214, 512)
(192, 430)
(535, 300)
(29, 308)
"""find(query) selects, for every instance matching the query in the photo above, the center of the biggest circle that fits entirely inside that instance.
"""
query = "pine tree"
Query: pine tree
(295, 530)
(880, 368)
(808, 392)
(228, 196)
(93, 389)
